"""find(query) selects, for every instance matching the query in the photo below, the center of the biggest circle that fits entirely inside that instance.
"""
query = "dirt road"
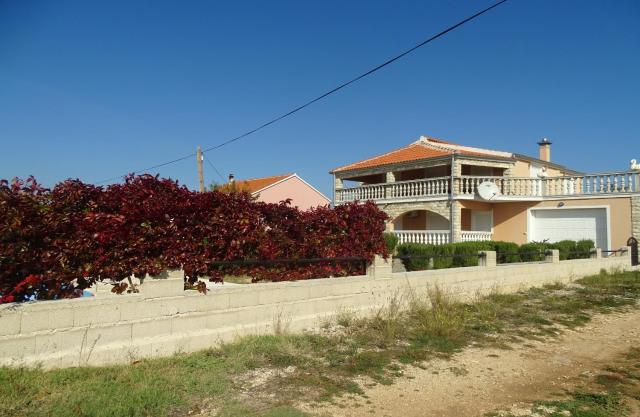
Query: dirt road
(477, 381)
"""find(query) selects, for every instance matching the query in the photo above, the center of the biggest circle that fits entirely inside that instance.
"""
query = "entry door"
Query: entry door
(481, 221)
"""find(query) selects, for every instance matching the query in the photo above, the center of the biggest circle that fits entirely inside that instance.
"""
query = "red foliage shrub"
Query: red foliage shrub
(55, 243)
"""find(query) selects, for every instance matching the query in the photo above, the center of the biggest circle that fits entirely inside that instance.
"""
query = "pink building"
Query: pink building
(281, 187)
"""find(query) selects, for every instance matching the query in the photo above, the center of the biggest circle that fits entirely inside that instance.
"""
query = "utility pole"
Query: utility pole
(200, 170)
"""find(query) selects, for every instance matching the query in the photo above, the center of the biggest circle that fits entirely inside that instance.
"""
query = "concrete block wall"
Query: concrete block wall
(162, 318)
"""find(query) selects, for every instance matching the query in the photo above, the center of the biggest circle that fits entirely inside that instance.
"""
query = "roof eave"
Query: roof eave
(494, 158)
(274, 183)
(380, 166)
(490, 158)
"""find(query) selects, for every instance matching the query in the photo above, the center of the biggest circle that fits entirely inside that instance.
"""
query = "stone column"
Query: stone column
(456, 221)
(380, 268)
(390, 179)
(596, 253)
(553, 256)
(635, 216)
(338, 185)
(167, 284)
(487, 259)
(456, 171)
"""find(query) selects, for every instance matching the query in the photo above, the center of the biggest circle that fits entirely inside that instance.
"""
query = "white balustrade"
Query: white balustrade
(615, 183)
(439, 237)
(474, 236)
(518, 187)
(432, 237)
(404, 190)
(418, 188)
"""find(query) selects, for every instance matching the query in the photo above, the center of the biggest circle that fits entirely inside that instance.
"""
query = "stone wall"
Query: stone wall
(457, 221)
(394, 210)
(481, 163)
(163, 319)
(635, 216)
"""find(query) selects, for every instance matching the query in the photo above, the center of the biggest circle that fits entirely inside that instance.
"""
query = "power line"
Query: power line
(214, 168)
(326, 94)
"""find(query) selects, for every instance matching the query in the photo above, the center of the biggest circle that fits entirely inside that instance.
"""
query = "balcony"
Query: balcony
(431, 188)
(510, 188)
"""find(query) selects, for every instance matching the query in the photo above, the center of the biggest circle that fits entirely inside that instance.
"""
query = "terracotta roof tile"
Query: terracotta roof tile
(413, 152)
(256, 184)
(424, 148)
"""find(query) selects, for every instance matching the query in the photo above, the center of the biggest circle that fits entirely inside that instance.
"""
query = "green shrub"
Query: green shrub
(418, 257)
(567, 249)
(390, 241)
(506, 252)
(443, 258)
(453, 255)
(570, 249)
(583, 249)
(415, 256)
(467, 252)
(533, 252)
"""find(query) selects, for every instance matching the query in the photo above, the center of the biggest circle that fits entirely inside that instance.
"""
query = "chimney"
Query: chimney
(545, 150)
(232, 179)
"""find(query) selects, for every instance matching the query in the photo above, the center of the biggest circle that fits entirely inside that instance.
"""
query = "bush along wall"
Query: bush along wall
(56, 242)
(390, 241)
(417, 257)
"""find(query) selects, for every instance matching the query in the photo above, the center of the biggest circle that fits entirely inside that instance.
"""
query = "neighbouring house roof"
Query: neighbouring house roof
(255, 185)
(424, 148)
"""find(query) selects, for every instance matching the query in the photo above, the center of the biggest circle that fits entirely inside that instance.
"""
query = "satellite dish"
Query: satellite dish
(488, 190)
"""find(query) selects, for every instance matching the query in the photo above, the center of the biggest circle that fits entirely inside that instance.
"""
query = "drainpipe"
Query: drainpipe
(452, 211)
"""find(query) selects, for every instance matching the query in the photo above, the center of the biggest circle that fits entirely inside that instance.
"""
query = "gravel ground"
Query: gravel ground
(477, 381)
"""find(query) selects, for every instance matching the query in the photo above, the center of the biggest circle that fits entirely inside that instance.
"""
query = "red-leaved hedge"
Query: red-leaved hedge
(55, 243)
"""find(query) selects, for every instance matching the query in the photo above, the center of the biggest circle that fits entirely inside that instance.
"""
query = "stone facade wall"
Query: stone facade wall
(442, 208)
(482, 163)
(394, 210)
(457, 221)
(163, 319)
(635, 216)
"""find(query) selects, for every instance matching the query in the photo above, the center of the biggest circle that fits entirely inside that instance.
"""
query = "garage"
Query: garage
(569, 223)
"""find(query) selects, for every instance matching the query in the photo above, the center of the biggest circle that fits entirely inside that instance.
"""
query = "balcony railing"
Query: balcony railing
(431, 187)
(473, 236)
(433, 237)
(438, 237)
(509, 188)
(613, 183)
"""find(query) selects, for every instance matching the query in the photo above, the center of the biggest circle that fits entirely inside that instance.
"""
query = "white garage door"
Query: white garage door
(574, 224)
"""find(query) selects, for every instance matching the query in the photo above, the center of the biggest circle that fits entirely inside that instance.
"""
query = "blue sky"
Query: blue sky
(92, 90)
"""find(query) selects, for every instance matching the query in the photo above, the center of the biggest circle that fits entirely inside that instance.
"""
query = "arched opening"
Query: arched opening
(422, 226)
